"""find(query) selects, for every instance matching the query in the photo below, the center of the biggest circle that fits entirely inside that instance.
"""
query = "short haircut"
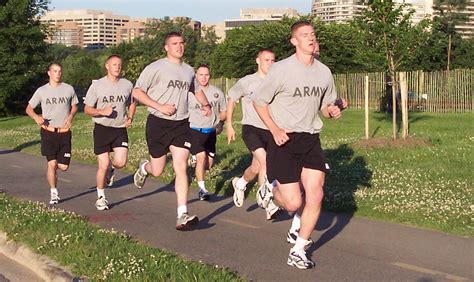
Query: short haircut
(297, 25)
(203, 66)
(113, 56)
(172, 34)
(264, 50)
(54, 64)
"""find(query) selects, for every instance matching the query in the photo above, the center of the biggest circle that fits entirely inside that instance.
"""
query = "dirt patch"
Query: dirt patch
(379, 143)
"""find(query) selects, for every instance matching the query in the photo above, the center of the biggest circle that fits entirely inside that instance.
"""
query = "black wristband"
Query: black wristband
(207, 105)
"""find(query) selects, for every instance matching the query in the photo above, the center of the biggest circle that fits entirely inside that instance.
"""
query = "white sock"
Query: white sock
(142, 168)
(241, 183)
(300, 243)
(53, 191)
(182, 210)
(202, 186)
(296, 223)
(100, 193)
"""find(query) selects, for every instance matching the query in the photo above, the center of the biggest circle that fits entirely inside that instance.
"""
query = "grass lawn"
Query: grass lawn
(427, 185)
(96, 253)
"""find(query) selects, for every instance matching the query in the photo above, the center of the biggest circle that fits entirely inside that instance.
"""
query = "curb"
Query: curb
(42, 266)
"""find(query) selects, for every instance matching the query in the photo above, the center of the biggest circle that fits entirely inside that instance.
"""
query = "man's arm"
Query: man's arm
(202, 99)
(334, 111)
(31, 112)
(229, 114)
(93, 112)
(279, 134)
(70, 117)
(132, 108)
(143, 98)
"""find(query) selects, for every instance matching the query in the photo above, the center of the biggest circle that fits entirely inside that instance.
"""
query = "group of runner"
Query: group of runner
(282, 103)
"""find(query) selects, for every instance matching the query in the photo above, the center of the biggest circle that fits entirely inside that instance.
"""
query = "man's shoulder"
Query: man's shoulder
(67, 86)
(249, 77)
(126, 82)
(214, 88)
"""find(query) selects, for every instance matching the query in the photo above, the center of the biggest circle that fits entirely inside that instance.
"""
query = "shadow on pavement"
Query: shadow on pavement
(20, 147)
(167, 188)
(348, 173)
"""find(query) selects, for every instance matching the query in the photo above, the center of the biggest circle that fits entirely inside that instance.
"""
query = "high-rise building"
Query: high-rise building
(255, 16)
(67, 33)
(99, 27)
(336, 11)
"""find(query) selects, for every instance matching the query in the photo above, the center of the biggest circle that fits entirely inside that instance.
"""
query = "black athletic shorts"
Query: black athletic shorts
(107, 138)
(303, 150)
(255, 137)
(203, 142)
(56, 146)
(162, 133)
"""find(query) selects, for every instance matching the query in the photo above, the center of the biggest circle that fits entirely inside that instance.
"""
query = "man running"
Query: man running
(58, 108)
(163, 86)
(203, 128)
(289, 101)
(254, 132)
(108, 101)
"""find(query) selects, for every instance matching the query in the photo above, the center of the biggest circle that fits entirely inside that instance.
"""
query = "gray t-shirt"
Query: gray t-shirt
(245, 88)
(105, 92)
(168, 83)
(55, 102)
(295, 94)
(216, 98)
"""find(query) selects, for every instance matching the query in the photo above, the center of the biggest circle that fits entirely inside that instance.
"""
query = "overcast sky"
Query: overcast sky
(205, 11)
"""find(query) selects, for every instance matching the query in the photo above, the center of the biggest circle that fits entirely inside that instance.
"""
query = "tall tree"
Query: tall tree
(448, 15)
(388, 28)
(205, 46)
(22, 52)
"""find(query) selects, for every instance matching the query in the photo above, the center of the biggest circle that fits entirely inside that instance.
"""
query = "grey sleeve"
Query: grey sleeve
(91, 96)
(35, 99)
(147, 78)
(74, 99)
(330, 95)
(237, 91)
(272, 84)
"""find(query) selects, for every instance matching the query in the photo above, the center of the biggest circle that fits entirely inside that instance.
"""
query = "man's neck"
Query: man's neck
(174, 60)
(112, 78)
(54, 83)
(304, 58)
(261, 74)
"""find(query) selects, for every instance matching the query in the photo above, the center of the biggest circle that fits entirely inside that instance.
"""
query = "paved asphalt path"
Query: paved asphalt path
(346, 249)
(13, 271)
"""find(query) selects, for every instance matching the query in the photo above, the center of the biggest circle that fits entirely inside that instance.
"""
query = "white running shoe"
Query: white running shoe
(192, 161)
(186, 222)
(102, 204)
(110, 176)
(203, 195)
(299, 259)
(272, 210)
(264, 195)
(291, 237)
(139, 178)
(239, 194)
(54, 199)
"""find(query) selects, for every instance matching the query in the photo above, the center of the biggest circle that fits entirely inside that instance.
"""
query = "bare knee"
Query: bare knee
(63, 167)
(293, 205)
(119, 163)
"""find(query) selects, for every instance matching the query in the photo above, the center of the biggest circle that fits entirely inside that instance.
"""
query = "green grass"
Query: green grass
(96, 253)
(425, 186)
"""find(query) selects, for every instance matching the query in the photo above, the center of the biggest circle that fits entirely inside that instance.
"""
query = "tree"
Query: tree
(80, 69)
(448, 15)
(22, 53)
(389, 30)
(205, 46)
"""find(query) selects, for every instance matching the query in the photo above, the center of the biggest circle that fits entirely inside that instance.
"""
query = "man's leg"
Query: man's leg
(260, 155)
(180, 157)
(51, 175)
(103, 163)
(120, 157)
(313, 182)
(201, 162)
